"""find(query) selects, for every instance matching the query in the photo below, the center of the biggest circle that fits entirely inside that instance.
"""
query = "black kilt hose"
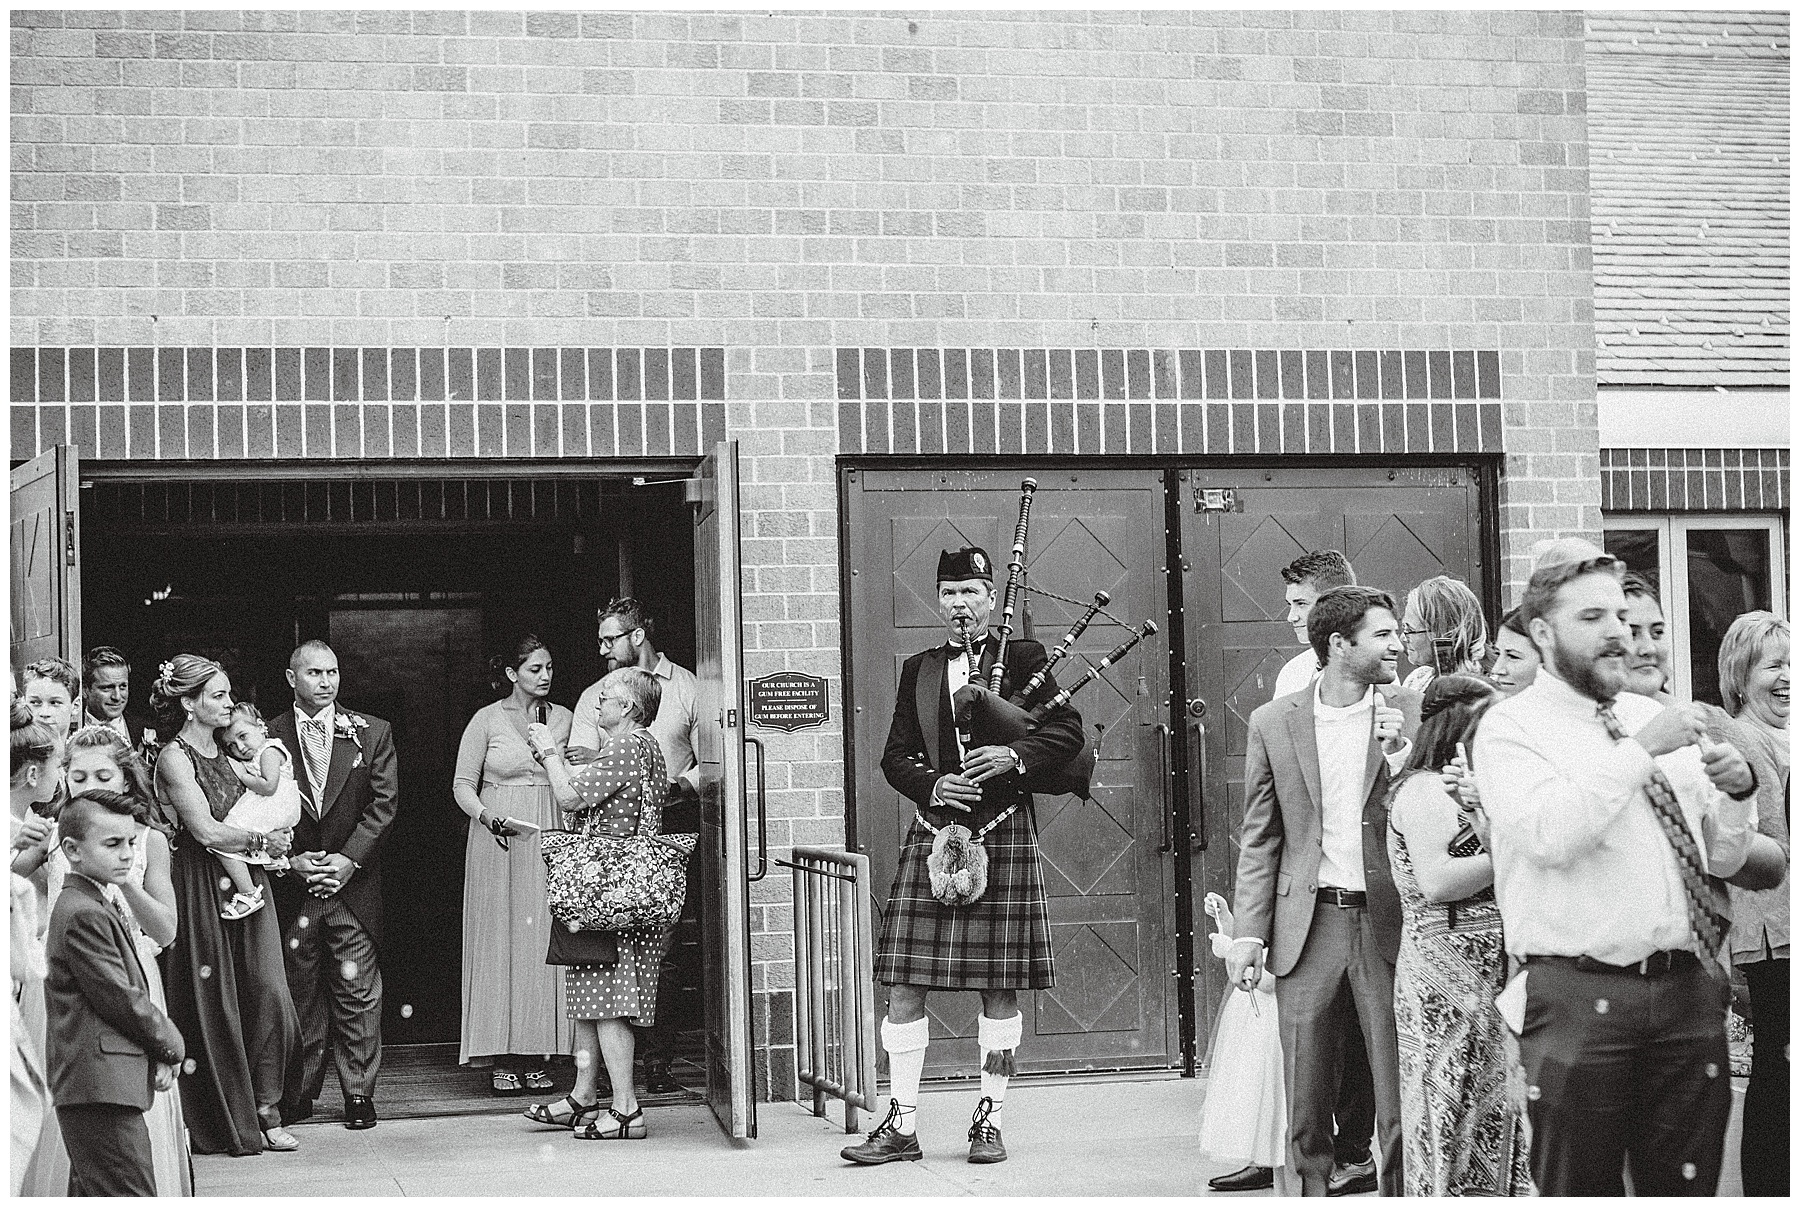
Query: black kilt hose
(1001, 941)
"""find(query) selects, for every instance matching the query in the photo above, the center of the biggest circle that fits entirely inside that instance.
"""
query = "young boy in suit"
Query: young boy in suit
(110, 1048)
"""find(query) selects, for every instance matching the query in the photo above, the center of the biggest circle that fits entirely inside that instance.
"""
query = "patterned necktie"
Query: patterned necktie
(317, 745)
(1708, 925)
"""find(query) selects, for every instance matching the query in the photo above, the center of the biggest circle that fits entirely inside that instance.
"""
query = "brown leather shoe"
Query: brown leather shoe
(985, 1145)
(885, 1143)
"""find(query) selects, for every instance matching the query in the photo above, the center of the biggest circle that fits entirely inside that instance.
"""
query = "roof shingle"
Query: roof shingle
(1688, 135)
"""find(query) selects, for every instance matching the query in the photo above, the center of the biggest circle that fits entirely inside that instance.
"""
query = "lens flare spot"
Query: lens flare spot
(1712, 1070)
(1533, 1093)
(189, 1065)
(303, 922)
(406, 1010)
(348, 970)
(1601, 1006)
(294, 944)
(224, 884)
(1689, 1172)
(205, 972)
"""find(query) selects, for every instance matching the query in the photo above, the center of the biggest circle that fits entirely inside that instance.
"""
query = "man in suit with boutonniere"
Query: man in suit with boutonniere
(330, 899)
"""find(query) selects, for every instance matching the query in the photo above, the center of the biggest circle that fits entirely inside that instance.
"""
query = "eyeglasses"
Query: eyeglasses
(613, 639)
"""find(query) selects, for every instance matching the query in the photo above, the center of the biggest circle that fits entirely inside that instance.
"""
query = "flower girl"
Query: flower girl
(1245, 1115)
(271, 800)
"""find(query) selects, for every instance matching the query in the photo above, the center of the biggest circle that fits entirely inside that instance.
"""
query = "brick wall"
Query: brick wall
(787, 185)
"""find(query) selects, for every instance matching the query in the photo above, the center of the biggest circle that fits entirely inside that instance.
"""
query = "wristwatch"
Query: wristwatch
(1747, 793)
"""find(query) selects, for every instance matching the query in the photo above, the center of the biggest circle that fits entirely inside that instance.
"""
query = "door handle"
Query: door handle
(1165, 738)
(1197, 777)
(762, 814)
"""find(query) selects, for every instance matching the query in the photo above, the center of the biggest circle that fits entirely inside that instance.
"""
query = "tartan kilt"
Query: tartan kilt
(1001, 941)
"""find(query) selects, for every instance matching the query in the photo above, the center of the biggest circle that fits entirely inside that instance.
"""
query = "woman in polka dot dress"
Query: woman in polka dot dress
(621, 793)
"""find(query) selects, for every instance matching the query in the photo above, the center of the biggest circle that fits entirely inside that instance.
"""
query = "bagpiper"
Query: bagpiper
(968, 909)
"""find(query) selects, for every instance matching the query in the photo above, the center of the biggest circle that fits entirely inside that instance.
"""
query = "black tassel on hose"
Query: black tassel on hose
(999, 1063)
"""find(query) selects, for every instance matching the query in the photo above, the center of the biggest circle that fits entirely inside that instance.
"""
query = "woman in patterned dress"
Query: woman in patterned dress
(1459, 1132)
(620, 793)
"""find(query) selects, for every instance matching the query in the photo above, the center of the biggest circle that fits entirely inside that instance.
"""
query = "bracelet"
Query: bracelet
(1748, 792)
(258, 844)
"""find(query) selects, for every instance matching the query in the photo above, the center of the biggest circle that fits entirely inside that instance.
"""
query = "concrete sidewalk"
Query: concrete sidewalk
(1083, 1137)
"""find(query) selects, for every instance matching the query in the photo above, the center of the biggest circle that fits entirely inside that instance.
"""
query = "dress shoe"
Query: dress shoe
(1250, 1177)
(359, 1112)
(659, 1080)
(295, 1112)
(985, 1145)
(1352, 1179)
(885, 1143)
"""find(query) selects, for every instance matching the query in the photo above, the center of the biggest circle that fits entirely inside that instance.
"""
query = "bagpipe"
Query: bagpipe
(985, 717)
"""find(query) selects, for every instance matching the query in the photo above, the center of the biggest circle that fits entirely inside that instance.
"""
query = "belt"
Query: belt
(1657, 963)
(1343, 898)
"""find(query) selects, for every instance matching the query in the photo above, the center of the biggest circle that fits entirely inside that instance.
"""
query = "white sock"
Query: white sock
(905, 1045)
(998, 1037)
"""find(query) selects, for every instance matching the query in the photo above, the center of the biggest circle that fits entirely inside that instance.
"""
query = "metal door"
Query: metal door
(46, 559)
(725, 890)
(1238, 529)
(1111, 915)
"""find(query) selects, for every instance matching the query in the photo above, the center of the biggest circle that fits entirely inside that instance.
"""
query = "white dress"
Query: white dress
(265, 814)
(1244, 1118)
(168, 1132)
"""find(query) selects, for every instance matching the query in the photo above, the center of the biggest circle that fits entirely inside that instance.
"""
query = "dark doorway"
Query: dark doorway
(415, 583)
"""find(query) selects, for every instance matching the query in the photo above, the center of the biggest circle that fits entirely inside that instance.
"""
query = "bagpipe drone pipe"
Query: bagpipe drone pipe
(984, 717)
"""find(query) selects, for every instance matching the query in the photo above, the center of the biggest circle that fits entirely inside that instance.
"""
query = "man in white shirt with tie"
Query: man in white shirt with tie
(1608, 812)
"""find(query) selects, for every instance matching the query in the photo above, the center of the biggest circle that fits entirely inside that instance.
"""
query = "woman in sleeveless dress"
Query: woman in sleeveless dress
(99, 759)
(1460, 1134)
(511, 1000)
(225, 981)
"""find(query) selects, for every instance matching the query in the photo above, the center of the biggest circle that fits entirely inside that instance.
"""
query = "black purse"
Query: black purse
(569, 947)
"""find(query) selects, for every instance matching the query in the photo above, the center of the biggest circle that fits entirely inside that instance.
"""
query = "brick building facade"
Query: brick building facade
(375, 239)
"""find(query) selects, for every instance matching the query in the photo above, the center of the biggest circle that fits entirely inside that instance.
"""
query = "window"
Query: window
(1707, 569)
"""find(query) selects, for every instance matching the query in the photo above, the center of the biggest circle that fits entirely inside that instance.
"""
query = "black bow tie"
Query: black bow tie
(956, 647)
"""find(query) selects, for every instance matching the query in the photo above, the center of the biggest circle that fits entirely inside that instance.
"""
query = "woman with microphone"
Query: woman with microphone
(512, 1014)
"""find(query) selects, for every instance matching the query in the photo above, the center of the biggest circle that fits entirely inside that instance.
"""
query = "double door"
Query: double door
(1200, 551)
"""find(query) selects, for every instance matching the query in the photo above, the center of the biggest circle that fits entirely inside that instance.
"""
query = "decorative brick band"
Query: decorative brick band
(1114, 400)
(1694, 479)
(355, 403)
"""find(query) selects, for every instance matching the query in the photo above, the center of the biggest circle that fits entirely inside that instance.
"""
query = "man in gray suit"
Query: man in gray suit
(1315, 899)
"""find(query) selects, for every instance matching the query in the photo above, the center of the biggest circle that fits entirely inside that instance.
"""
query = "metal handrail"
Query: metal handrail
(834, 978)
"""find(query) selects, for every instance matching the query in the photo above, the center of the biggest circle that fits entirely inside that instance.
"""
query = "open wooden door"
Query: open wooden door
(46, 560)
(725, 889)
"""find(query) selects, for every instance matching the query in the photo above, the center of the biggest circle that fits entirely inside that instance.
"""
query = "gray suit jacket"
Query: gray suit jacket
(1278, 867)
(106, 1034)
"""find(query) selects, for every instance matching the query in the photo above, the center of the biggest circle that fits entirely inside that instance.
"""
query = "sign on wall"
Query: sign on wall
(788, 701)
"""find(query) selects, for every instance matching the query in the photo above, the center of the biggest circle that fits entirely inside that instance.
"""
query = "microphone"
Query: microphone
(543, 713)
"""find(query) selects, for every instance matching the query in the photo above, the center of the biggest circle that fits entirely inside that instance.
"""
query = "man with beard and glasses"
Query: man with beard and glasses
(1608, 813)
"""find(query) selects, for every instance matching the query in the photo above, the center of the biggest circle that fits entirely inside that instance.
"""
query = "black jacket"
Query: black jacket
(921, 745)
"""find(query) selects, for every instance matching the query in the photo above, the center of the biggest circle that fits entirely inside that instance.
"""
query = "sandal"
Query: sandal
(506, 1083)
(241, 906)
(630, 1127)
(280, 1140)
(539, 1080)
(546, 1112)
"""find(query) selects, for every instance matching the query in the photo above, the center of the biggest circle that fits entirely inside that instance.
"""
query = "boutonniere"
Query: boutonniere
(350, 726)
